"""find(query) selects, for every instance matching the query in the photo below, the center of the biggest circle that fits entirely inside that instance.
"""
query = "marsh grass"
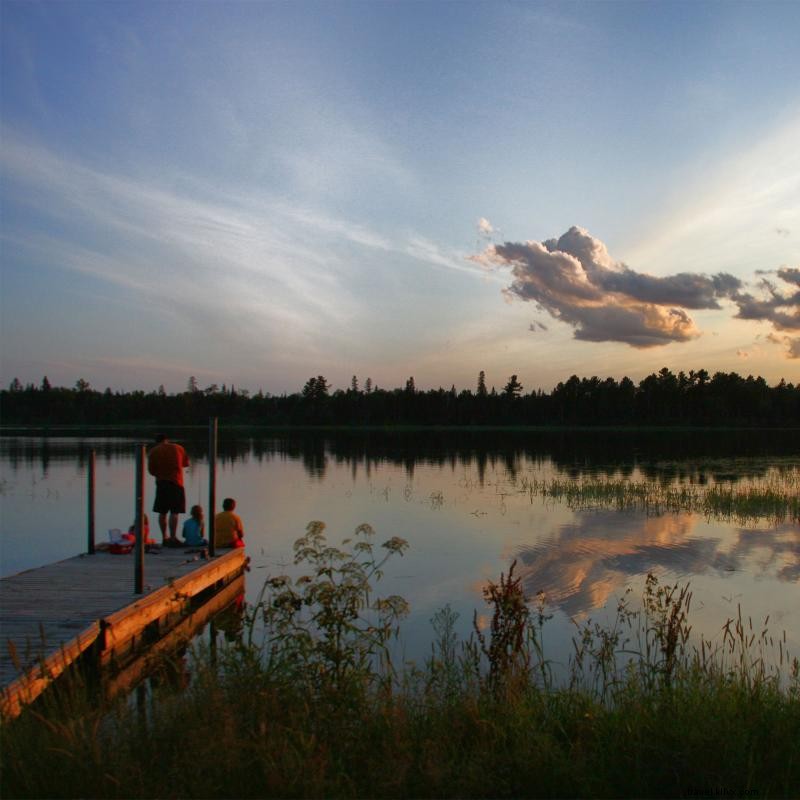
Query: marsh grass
(308, 704)
(775, 498)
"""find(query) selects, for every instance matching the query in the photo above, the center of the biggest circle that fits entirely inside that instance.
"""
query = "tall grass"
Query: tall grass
(775, 499)
(308, 704)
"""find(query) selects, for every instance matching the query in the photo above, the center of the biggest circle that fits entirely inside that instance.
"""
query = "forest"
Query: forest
(660, 399)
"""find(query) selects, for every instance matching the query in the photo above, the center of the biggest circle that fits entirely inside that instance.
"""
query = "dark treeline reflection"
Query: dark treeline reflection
(696, 455)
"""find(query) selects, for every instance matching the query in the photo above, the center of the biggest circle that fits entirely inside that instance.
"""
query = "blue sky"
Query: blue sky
(253, 193)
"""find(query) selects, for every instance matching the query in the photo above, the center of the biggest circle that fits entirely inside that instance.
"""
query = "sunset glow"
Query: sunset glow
(252, 193)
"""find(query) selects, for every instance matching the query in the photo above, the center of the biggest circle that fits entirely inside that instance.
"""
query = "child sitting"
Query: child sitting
(194, 528)
(228, 527)
(131, 534)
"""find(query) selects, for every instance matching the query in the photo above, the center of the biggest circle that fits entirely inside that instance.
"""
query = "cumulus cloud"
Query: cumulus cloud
(774, 304)
(575, 280)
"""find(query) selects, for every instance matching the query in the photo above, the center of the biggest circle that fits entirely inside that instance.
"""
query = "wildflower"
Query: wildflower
(396, 545)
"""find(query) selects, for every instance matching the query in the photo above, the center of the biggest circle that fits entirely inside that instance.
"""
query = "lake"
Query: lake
(467, 504)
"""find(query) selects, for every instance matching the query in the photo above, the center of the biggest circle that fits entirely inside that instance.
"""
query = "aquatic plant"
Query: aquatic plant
(775, 499)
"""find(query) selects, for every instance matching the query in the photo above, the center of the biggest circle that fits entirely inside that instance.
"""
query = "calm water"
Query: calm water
(458, 500)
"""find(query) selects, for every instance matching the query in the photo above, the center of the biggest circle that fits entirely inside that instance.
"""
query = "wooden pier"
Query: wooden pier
(86, 607)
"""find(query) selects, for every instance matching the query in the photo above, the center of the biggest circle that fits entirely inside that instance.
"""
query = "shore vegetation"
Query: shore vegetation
(307, 702)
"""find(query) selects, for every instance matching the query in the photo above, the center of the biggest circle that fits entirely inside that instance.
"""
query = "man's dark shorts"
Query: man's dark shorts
(169, 498)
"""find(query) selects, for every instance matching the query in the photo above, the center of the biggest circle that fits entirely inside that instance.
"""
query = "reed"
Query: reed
(307, 704)
(775, 499)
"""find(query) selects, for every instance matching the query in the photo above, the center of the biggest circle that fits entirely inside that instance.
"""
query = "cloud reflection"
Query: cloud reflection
(764, 548)
(591, 558)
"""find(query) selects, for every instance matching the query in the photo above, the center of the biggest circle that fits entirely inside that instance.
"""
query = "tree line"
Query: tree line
(662, 398)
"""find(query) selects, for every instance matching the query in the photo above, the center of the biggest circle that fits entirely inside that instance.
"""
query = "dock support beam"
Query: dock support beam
(138, 560)
(212, 484)
(90, 521)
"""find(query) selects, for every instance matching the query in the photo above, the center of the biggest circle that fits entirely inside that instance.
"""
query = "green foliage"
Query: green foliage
(309, 709)
(323, 630)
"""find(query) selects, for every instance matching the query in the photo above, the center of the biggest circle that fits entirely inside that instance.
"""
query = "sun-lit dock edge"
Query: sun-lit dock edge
(85, 609)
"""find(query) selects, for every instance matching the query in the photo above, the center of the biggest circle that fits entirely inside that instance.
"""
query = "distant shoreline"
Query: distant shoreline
(126, 427)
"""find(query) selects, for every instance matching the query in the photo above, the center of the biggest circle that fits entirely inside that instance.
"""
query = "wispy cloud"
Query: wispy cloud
(224, 252)
(732, 212)
(429, 252)
(281, 282)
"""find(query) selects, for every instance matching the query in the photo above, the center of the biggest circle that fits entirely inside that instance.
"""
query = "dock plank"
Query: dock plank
(53, 613)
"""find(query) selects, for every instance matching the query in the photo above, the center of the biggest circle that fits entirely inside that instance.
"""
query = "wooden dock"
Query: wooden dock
(86, 607)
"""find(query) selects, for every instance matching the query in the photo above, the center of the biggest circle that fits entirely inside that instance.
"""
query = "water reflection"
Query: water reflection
(766, 547)
(595, 556)
(457, 497)
(230, 621)
(690, 456)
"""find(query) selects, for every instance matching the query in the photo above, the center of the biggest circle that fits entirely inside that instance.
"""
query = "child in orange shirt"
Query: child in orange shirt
(228, 527)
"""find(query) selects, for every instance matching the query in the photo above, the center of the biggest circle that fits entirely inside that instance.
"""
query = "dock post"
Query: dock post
(138, 561)
(212, 484)
(90, 546)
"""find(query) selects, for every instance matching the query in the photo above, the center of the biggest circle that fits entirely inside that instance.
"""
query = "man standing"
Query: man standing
(166, 462)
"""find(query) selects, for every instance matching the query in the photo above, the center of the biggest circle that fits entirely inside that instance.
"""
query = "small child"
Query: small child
(228, 527)
(131, 535)
(194, 528)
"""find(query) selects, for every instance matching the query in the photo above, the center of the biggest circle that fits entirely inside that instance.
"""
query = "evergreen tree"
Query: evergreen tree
(316, 388)
(482, 384)
(513, 388)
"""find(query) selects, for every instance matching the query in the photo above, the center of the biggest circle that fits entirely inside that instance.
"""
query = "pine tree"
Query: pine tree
(513, 388)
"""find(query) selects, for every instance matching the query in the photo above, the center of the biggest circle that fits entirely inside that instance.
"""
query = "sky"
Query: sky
(256, 193)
